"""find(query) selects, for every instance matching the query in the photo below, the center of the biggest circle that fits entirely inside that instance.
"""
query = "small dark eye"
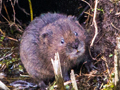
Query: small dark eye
(76, 34)
(62, 41)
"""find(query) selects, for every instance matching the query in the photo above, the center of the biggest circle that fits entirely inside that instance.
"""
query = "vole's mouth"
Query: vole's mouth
(75, 53)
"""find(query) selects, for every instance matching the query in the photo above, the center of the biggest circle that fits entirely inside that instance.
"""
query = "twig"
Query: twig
(118, 13)
(74, 84)
(88, 4)
(2, 32)
(18, 21)
(24, 75)
(6, 11)
(4, 35)
(117, 64)
(115, 27)
(5, 48)
(116, 67)
(100, 38)
(5, 19)
(83, 12)
(95, 24)
(12, 23)
(12, 39)
(91, 54)
(6, 56)
(58, 72)
(108, 71)
(31, 10)
(66, 83)
(88, 14)
(13, 11)
(3, 86)
(81, 68)
(22, 9)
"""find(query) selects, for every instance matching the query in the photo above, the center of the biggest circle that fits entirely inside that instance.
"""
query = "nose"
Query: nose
(75, 44)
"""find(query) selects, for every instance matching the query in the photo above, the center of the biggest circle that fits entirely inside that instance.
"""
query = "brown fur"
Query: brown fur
(46, 35)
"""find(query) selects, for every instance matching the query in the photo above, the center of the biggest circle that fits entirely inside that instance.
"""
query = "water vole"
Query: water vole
(46, 35)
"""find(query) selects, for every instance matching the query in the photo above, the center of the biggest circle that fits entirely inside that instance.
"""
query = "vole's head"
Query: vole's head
(65, 37)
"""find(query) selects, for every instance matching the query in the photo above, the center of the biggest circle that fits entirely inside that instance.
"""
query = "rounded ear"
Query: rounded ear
(46, 34)
(46, 37)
